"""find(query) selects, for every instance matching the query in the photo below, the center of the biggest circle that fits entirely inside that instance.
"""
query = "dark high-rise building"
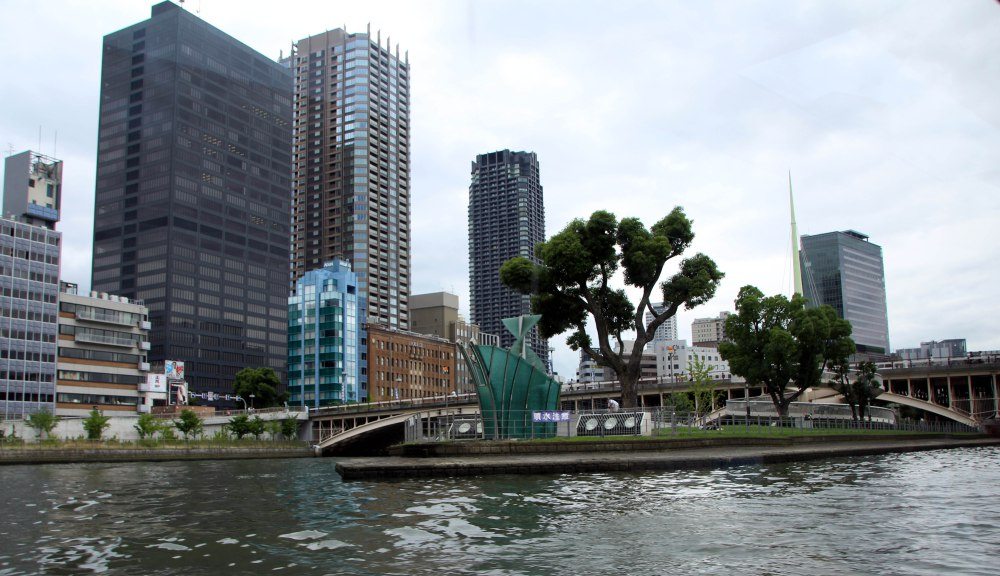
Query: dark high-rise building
(506, 219)
(193, 193)
(845, 271)
(352, 166)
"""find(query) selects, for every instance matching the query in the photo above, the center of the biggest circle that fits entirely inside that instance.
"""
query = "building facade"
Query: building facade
(709, 332)
(667, 330)
(404, 365)
(951, 348)
(102, 362)
(845, 270)
(436, 314)
(29, 296)
(32, 188)
(352, 165)
(192, 203)
(674, 360)
(506, 219)
(327, 355)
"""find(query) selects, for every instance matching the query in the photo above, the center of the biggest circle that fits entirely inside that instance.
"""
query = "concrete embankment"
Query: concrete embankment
(632, 456)
(48, 455)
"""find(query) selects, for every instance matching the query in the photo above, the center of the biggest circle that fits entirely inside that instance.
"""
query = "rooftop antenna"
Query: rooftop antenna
(796, 265)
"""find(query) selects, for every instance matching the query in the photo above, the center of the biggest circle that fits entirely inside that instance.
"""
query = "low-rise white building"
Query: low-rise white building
(674, 358)
(101, 362)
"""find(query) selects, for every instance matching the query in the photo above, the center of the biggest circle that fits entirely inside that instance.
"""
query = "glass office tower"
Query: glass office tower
(193, 193)
(845, 271)
(326, 336)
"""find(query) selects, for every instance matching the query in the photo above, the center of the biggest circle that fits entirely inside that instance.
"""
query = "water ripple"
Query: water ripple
(920, 513)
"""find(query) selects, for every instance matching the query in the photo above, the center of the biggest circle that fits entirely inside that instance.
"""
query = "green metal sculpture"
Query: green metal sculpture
(512, 385)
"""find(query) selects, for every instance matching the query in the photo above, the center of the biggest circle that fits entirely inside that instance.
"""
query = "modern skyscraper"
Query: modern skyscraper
(506, 219)
(352, 165)
(326, 338)
(845, 271)
(193, 193)
(667, 330)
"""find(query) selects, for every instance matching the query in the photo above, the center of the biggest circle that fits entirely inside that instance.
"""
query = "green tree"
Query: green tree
(573, 283)
(95, 424)
(257, 427)
(859, 393)
(273, 428)
(781, 345)
(147, 426)
(239, 425)
(289, 427)
(42, 422)
(679, 402)
(190, 424)
(261, 383)
(702, 385)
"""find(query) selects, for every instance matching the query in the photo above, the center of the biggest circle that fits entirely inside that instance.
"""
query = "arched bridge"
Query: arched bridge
(963, 392)
(959, 389)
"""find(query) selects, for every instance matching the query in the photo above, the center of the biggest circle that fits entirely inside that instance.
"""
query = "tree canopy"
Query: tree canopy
(262, 383)
(860, 392)
(43, 422)
(572, 283)
(776, 343)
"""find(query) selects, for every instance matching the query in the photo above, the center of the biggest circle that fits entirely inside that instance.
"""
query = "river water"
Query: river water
(917, 513)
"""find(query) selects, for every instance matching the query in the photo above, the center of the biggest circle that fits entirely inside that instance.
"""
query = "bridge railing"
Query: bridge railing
(651, 422)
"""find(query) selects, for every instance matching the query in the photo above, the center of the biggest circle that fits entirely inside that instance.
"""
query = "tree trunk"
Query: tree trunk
(630, 391)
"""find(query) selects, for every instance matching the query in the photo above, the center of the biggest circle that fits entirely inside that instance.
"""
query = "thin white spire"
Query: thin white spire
(796, 264)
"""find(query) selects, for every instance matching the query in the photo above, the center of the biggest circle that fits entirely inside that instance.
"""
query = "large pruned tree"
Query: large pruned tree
(260, 383)
(781, 345)
(573, 283)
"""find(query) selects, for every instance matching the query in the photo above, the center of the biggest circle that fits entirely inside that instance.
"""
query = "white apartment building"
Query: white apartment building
(673, 358)
(103, 341)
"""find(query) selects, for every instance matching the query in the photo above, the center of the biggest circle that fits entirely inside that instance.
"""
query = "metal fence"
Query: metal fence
(663, 422)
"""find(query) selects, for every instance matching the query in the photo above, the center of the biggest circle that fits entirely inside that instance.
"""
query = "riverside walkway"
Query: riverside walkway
(625, 458)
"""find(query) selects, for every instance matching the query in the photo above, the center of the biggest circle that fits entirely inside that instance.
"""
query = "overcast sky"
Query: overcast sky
(886, 113)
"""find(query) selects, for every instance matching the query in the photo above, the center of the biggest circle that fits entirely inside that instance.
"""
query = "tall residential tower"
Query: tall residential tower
(506, 219)
(352, 166)
(193, 193)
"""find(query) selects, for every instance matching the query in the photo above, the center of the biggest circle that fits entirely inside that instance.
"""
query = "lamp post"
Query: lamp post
(252, 396)
(343, 387)
(240, 398)
(746, 400)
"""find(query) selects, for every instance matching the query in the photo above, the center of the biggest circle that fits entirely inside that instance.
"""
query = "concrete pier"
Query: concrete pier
(724, 453)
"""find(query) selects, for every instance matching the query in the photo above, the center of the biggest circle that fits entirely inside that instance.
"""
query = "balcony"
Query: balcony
(94, 315)
(143, 345)
(145, 325)
(102, 339)
(143, 366)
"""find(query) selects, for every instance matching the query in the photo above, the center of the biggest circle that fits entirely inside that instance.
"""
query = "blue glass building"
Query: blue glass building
(327, 357)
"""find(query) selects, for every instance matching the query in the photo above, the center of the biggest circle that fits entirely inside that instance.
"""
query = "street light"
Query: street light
(240, 398)
(251, 400)
(746, 399)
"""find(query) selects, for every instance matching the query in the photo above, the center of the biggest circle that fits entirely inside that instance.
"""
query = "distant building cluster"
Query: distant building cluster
(248, 213)
(256, 213)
